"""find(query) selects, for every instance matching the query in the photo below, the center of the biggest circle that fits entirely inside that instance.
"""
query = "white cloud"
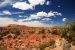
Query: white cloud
(16, 12)
(20, 16)
(33, 16)
(7, 21)
(46, 19)
(21, 20)
(33, 24)
(56, 13)
(5, 2)
(36, 2)
(27, 6)
(48, 2)
(38, 15)
(6, 12)
(43, 14)
(22, 5)
(64, 19)
(59, 6)
(51, 13)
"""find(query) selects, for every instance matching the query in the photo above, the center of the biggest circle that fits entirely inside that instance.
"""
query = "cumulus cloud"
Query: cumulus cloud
(22, 5)
(7, 2)
(27, 6)
(43, 14)
(28, 21)
(51, 13)
(38, 15)
(48, 2)
(36, 2)
(64, 19)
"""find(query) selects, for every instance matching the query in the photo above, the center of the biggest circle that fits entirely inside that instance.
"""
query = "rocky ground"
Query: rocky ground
(15, 37)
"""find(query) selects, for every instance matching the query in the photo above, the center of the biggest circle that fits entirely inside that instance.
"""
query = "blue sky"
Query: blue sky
(36, 13)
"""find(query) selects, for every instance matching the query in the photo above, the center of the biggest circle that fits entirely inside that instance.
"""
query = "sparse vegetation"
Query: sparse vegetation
(70, 25)
(44, 45)
(67, 31)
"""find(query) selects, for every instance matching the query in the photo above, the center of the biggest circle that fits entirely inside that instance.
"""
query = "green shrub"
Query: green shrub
(43, 36)
(44, 45)
(70, 33)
